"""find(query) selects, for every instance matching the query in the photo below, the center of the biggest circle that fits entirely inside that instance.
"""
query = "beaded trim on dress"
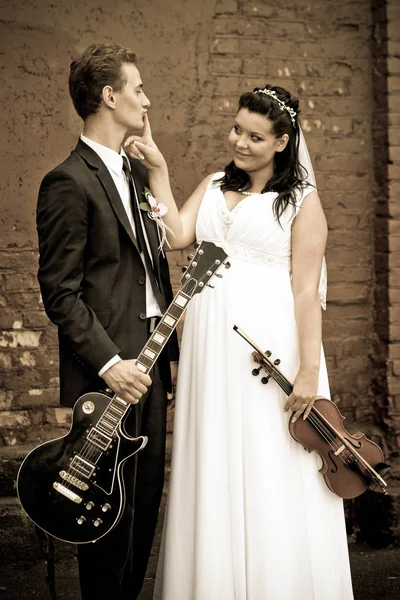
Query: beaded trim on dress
(244, 252)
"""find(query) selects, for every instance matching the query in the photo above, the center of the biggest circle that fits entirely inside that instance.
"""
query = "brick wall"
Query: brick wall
(195, 59)
(393, 216)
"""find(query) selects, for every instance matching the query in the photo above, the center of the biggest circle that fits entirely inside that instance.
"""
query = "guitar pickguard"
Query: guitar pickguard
(106, 478)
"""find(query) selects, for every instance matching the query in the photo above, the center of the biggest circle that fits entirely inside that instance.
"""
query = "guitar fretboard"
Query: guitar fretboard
(152, 350)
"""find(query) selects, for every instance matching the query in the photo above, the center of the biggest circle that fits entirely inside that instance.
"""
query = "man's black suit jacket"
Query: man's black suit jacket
(91, 275)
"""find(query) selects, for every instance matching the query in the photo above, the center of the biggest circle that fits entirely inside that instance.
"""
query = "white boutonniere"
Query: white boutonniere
(155, 211)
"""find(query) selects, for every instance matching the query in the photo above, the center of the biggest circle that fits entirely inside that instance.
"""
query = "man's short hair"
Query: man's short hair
(99, 65)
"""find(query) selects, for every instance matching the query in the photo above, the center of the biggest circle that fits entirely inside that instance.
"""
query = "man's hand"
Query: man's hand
(144, 148)
(125, 379)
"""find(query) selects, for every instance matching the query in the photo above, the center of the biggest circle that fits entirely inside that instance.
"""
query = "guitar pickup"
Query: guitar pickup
(59, 487)
(99, 439)
(82, 466)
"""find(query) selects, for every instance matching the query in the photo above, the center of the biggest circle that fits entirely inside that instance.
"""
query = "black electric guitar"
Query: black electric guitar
(72, 487)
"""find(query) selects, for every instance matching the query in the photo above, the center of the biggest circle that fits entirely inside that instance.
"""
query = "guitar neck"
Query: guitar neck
(160, 336)
(146, 360)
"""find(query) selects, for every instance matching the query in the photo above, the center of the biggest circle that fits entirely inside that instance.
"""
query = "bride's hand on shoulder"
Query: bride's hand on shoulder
(144, 148)
(304, 393)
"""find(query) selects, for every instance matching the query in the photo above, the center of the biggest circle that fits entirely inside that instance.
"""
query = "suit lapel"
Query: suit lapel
(116, 202)
(103, 174)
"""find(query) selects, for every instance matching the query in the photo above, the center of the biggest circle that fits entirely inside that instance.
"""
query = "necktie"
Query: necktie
(140, 239)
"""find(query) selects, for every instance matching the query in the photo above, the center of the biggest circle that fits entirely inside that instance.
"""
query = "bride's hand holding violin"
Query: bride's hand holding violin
(304, 393)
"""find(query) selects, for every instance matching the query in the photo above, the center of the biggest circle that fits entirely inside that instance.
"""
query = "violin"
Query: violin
(351, 463)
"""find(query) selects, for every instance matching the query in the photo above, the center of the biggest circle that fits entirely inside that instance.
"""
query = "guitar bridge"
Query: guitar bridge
(74, 481)
(59, 487)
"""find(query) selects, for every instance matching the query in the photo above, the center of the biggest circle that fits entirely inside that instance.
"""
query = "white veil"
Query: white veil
(305, 161)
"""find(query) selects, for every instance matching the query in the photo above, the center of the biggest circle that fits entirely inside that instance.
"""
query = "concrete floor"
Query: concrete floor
(376, 576)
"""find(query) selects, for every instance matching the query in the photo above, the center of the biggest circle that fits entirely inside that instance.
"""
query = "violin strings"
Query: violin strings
(287, 387)
(315, 420)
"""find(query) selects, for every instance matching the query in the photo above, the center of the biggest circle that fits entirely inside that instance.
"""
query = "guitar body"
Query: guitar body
(58, 488)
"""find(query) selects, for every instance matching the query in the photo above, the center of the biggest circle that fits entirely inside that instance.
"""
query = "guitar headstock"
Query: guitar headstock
(206, 261)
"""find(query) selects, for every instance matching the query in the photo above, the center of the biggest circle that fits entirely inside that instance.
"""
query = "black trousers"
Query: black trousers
(114, 567)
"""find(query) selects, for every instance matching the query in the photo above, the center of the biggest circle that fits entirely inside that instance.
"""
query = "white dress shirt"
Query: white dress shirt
(113, 162)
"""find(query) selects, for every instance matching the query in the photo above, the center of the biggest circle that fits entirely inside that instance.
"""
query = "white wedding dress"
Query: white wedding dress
(249, 517)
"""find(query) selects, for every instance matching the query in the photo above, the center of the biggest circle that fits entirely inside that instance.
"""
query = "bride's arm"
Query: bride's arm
(181, 222)
(309, 235)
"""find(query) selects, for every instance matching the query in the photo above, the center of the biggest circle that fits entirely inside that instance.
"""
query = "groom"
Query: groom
(105, 285)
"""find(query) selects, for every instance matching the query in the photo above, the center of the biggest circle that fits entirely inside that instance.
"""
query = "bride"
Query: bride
(248, 515)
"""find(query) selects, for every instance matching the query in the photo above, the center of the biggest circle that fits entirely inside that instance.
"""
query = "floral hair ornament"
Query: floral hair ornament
(155, 211)
(280, 102)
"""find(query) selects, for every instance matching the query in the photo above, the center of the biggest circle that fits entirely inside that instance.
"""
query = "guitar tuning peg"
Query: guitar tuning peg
(184, 269)
(211, 286)
(190, 256)
(227, 265)
(219, 275)
(277, 361)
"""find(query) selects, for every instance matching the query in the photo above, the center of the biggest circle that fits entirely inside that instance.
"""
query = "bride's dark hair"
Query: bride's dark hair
(289, 175)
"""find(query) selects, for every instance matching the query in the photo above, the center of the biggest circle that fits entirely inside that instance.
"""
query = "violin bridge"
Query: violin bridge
(339, 450)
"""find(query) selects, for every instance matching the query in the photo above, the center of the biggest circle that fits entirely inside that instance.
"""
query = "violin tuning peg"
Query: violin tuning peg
(277, 361)
(227, 265)
(265, 379)
(268, 353)
(256, 372)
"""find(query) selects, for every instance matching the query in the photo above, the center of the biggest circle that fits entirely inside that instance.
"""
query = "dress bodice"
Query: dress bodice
(250, 230)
